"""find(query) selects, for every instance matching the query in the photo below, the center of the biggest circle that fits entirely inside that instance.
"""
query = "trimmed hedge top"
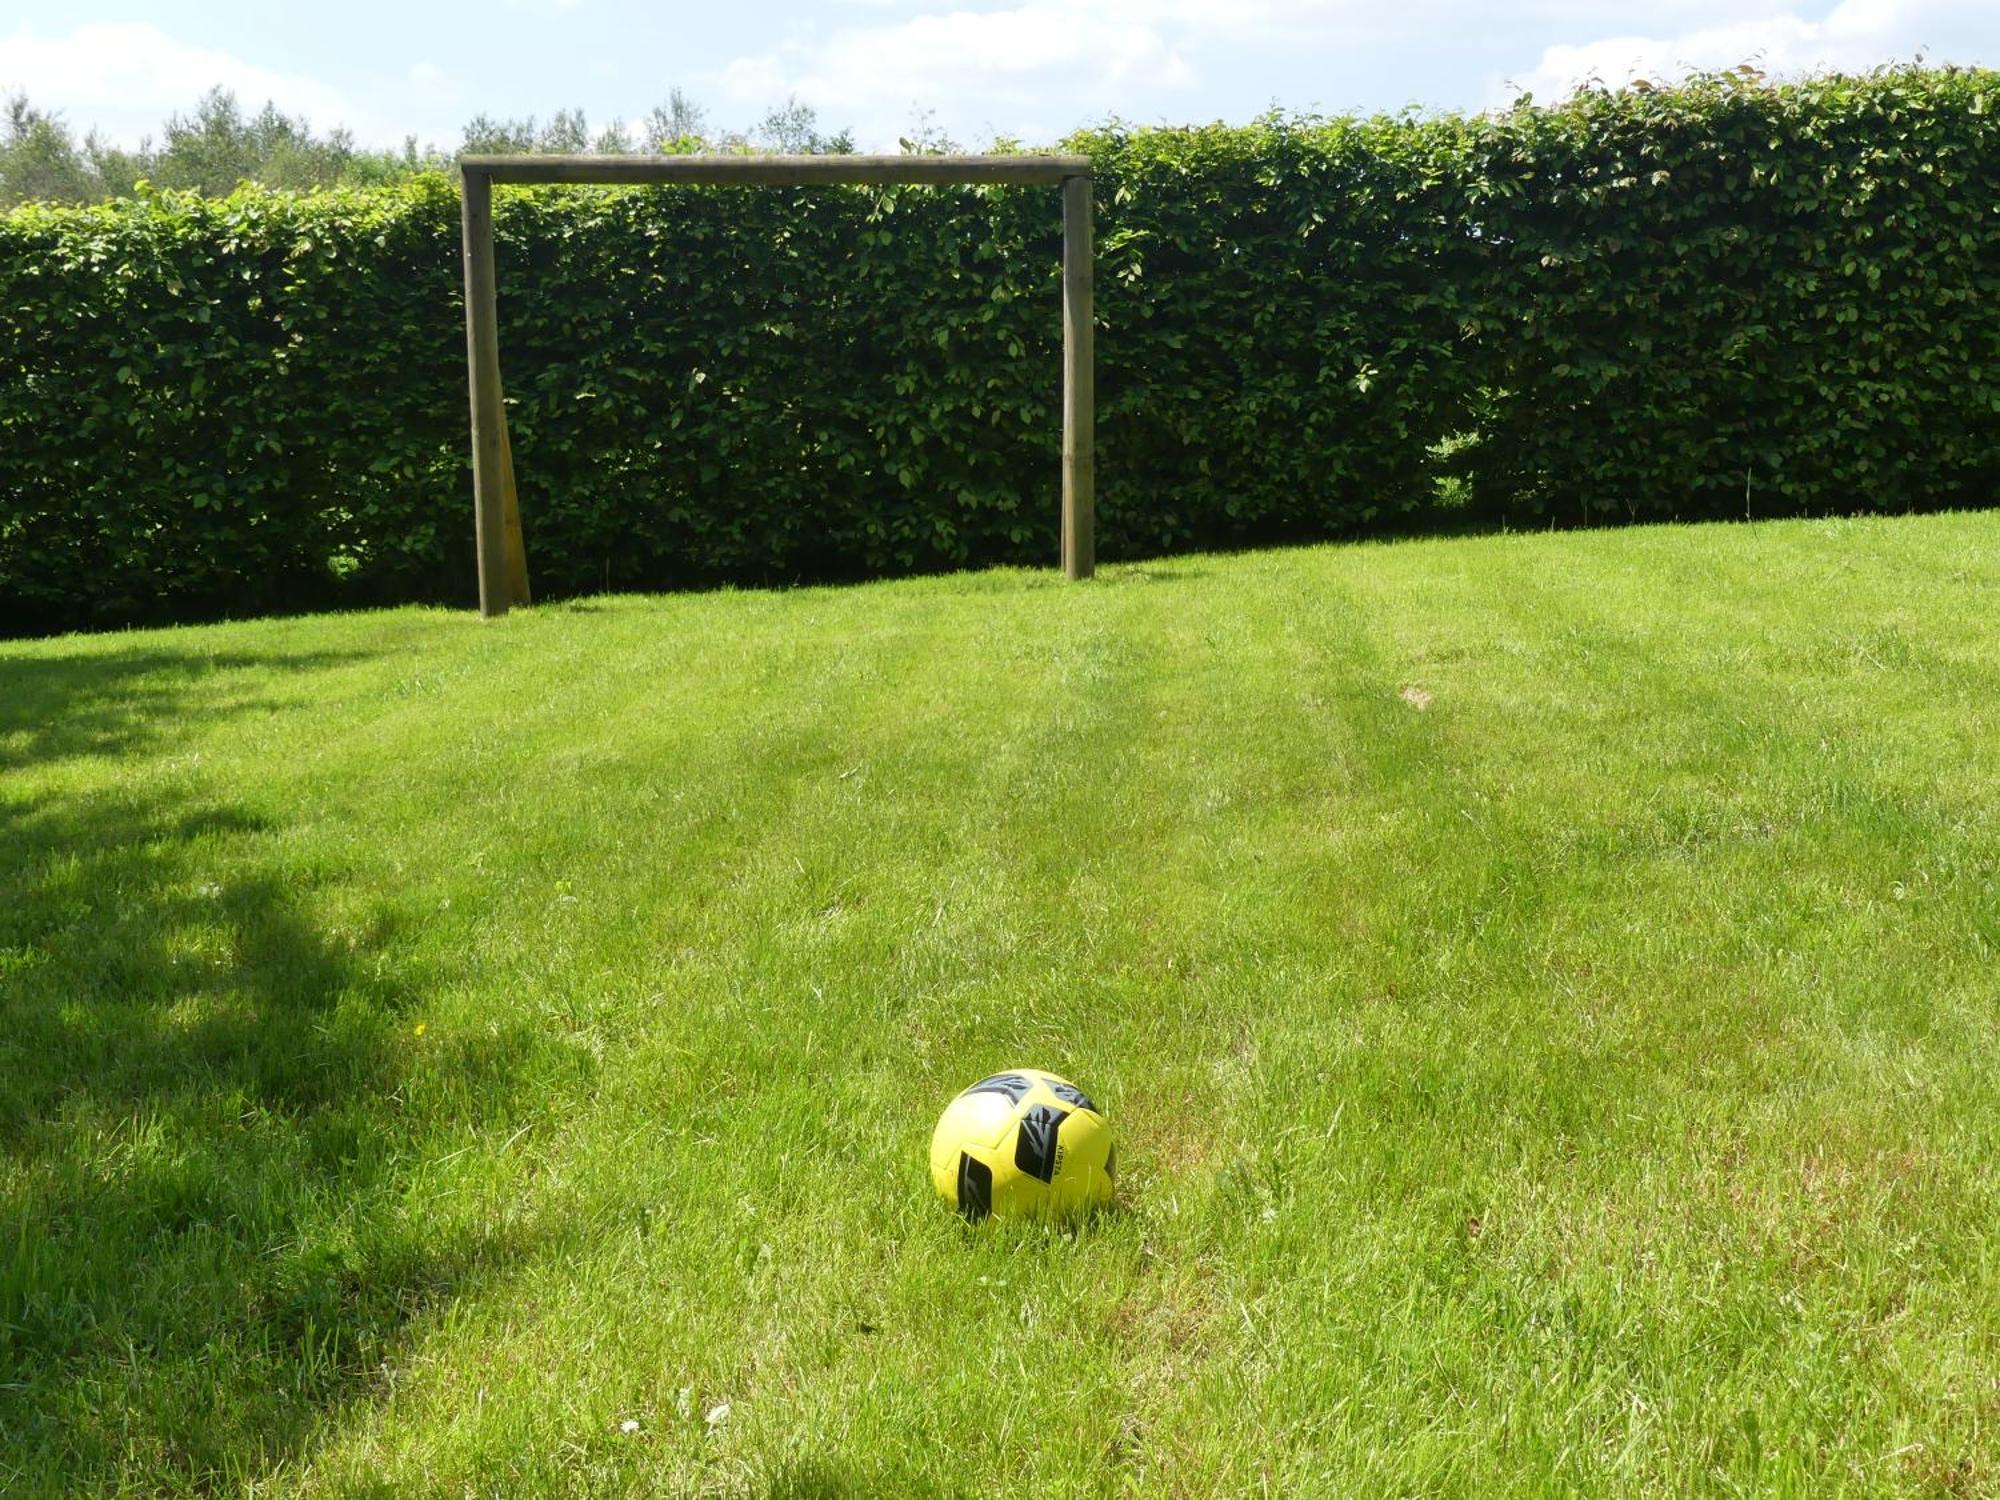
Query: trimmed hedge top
(1718, 299)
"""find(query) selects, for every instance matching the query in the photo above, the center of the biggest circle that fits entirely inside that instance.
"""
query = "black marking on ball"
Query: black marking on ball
(1111, 1163)
(1035, 1146)
(975, 1188)
(1069, 1093)
(1013, 1085)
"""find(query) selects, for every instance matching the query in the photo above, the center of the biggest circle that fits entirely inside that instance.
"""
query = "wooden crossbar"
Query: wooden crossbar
(782, 171)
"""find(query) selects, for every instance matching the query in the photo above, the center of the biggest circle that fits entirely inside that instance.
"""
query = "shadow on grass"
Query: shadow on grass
(105, 703)
(1156, 571)
(207, 1236)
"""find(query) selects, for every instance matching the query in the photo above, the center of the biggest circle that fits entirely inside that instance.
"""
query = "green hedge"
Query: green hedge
(1719, 299)
(1728, 300)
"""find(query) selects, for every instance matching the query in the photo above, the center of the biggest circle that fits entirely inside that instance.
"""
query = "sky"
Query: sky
(1027, 71)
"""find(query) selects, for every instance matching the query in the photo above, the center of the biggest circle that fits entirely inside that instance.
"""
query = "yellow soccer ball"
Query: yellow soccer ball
(1023, 1144)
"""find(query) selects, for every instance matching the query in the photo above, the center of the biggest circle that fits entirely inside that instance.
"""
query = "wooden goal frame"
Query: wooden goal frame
(503, 565)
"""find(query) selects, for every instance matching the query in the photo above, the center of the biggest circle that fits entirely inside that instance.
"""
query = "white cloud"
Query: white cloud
(124, 80)
(1853, 35)
(1033, 69)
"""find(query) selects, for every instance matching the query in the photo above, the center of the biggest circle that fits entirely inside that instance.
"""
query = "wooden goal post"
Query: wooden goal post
(503, 566)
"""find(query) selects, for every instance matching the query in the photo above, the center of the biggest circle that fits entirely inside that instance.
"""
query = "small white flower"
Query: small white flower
(630, 1424)
(718, 1414)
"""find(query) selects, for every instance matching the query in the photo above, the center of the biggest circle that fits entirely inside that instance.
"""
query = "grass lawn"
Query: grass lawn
(1547, 988)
